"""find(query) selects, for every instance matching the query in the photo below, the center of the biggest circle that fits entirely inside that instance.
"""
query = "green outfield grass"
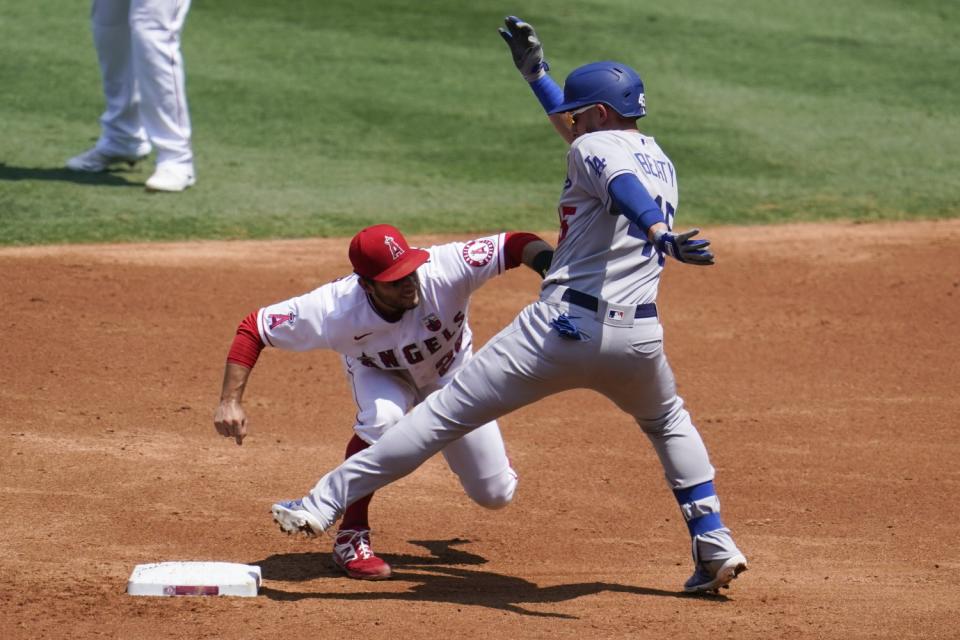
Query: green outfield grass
(314, 118)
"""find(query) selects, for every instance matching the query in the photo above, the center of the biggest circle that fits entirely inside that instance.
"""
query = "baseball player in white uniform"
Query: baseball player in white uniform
(400, 324)
(595, 325)
(138, 47)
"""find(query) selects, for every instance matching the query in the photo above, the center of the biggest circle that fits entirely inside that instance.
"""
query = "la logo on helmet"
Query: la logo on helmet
(395, 250)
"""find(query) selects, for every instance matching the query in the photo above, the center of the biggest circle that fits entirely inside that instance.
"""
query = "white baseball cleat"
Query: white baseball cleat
(96, 161)
(712, 575)
(171, 178)
(293, 517)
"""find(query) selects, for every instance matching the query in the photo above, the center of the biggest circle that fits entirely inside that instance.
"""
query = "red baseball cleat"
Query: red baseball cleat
(352, 553)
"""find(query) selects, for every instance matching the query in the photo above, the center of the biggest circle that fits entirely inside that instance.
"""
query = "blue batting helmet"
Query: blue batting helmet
(611, 83)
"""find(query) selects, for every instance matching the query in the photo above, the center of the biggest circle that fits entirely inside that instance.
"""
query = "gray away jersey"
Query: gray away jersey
(600, 252)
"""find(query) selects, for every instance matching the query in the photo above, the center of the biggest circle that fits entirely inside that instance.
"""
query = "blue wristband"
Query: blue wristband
(548, 92)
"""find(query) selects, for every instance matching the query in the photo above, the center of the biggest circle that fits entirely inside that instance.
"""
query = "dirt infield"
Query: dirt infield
(821, 364)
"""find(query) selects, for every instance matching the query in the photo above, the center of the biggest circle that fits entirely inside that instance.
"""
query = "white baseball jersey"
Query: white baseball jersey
(427, 342)
(600, 252)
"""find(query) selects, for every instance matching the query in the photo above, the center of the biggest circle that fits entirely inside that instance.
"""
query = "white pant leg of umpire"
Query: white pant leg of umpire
(158, 66)
(122, 131)
(509, 372)
(480, 461)
(643, 386)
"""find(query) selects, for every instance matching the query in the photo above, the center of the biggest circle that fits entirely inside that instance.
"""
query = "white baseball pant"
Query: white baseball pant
(138, 47)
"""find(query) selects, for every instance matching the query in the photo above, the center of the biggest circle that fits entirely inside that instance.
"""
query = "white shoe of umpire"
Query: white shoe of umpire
(96, 161)
(711, 575)
(293, 517)
(171, 178)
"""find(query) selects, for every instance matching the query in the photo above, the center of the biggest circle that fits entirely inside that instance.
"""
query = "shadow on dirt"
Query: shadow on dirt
(440, 577)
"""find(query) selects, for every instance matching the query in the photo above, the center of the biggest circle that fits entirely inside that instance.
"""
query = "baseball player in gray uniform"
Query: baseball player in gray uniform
(595, 326)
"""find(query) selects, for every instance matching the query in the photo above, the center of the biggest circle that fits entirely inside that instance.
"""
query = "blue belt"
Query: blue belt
(585, 300)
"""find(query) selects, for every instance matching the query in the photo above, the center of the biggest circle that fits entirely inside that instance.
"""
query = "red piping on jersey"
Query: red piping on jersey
(514, 244)
(247, 344)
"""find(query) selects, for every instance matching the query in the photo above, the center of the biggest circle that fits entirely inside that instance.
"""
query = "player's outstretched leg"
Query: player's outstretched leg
(293, 517)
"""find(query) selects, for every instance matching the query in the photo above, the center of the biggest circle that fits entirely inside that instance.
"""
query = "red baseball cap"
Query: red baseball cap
(381, 253)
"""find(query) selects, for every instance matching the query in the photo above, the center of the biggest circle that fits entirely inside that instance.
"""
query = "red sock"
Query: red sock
(356, 517)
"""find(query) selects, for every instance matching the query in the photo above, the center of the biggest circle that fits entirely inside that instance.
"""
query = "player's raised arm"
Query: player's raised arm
(527, 54)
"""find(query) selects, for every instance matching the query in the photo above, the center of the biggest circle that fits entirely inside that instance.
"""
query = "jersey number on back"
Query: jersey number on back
(635, 231)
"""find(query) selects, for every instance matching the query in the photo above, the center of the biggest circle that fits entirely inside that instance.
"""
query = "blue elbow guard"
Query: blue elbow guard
(548, 92)
(634, 202)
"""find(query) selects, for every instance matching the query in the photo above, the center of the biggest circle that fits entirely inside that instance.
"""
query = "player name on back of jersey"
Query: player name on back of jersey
(659, 168)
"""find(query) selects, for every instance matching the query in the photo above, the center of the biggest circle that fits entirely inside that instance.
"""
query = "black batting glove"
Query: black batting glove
(525, 47)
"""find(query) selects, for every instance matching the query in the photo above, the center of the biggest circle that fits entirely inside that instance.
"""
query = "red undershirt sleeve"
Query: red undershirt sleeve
(247, 344)
(513, 247)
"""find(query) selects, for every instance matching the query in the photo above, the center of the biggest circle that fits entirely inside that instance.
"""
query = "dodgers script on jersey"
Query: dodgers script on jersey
(599, 251)
(428, 342)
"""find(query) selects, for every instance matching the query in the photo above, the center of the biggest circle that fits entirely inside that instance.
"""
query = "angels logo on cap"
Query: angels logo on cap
(382, 253)
(395, 250)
